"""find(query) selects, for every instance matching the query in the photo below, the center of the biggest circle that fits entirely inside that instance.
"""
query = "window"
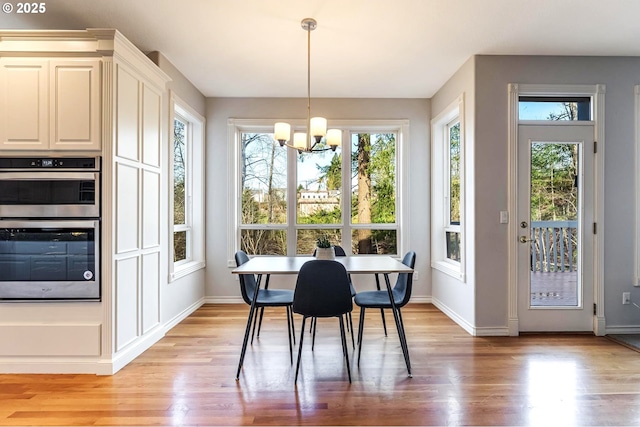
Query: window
(287, 200)
(569, 108)
(187, 203)
(181, 187)
(447, 226)
(452, 227)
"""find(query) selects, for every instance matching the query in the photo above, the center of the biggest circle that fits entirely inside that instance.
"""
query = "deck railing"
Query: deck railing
(553, 246)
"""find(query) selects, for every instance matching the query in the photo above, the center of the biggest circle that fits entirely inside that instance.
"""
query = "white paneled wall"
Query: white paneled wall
(137, 159)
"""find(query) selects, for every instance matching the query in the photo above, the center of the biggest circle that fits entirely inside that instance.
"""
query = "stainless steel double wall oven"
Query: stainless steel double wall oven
(50, 229)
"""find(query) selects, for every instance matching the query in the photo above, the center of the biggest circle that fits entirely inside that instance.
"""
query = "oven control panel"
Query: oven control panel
(76, 163)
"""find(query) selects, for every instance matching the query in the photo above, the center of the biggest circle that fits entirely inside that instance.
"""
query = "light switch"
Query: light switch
(504, 217)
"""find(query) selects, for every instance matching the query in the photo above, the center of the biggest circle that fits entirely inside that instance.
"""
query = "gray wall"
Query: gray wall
(179, 83)
(219, 282)
(183, 293)
(493, 73)
(455, 297)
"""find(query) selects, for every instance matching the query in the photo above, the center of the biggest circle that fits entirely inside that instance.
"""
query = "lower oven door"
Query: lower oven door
(49, 260)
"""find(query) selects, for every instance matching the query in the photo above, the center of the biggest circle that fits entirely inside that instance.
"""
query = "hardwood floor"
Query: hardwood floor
(188, 378)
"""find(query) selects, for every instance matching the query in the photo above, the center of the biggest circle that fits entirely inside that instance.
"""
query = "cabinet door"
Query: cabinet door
(24, 104)
(75, 104)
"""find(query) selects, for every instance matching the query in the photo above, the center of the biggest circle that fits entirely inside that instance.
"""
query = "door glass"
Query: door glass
(554, 224)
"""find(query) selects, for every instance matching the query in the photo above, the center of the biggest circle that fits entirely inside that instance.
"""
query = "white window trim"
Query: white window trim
(194, 193)
(235, 127)
(440, 191)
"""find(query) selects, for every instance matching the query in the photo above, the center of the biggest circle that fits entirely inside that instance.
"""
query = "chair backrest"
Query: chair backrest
(339, 251)
(247, 281)
(404, 283)
(322, 290)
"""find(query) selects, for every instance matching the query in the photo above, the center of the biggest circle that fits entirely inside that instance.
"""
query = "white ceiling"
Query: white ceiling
(361, 48)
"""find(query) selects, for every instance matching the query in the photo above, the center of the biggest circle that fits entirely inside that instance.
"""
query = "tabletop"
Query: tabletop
(364, 264)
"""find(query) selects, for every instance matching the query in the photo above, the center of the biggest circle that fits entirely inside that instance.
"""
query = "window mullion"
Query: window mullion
(347, 244)
(292, 205)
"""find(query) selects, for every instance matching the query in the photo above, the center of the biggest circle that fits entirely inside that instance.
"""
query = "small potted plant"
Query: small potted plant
(324, 250)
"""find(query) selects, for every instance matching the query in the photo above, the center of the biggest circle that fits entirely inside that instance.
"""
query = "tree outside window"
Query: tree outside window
(367, 214)
(180, 183)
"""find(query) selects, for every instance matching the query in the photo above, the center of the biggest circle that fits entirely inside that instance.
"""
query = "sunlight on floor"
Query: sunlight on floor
(552, 392)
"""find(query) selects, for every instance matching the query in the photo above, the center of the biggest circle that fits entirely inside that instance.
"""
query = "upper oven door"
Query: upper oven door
(36, 194)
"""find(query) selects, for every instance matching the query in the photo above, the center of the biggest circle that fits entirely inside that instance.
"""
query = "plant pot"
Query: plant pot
(325, 253)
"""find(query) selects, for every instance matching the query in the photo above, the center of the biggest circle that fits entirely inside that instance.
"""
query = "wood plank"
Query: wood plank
(188, 379)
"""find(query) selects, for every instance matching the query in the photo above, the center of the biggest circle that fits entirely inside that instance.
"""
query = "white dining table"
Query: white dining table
(361, 264)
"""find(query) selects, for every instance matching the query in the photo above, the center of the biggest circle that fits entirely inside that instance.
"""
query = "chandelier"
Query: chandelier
(309, 141)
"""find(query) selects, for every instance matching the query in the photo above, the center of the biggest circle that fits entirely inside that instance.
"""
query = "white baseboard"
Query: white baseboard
(239, 300)
(635, 329)
(454, 316)
(223, 300)
(170, 324)
(47, 365)
(420, 300)
(93, 365)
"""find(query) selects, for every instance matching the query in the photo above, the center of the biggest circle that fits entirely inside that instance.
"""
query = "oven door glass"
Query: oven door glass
(37, 194)
(49, 260)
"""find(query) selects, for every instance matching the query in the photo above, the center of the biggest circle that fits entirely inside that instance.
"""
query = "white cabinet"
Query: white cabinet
(49, 104)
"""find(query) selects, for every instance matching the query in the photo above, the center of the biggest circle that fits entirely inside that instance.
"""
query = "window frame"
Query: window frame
(194, 224)
(235, 128)
(441, 187)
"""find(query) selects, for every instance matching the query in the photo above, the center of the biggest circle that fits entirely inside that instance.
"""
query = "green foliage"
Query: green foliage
(322, 217)
(323, 242)
(553, 181)
(331, 175)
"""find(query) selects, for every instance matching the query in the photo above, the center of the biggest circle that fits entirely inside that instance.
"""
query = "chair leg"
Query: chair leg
(293, 326)
(260, 321)
(253, 329)
(289, 332)
(350, 327)
(384, 322)
(300, 350)
(403, 339)
(360, 330)
(344, 346)
(315, 327)
(244, 341)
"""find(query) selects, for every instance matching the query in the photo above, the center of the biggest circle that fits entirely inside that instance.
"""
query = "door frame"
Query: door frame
(596, 92)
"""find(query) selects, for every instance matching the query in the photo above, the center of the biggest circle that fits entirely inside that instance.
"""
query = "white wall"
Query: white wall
(220, 285)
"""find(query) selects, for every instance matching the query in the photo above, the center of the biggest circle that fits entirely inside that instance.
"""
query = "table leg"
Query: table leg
(399, 325)
(248, 328)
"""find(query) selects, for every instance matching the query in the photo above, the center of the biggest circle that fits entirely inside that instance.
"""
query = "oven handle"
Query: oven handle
(80, 223)
(47, 176)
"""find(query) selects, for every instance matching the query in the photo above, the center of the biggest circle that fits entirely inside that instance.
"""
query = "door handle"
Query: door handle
(523, 239)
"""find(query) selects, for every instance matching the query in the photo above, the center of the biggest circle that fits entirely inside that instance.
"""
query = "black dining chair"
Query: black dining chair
(265, 298)
(339, 251)
(380, 299)
(322, 290)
